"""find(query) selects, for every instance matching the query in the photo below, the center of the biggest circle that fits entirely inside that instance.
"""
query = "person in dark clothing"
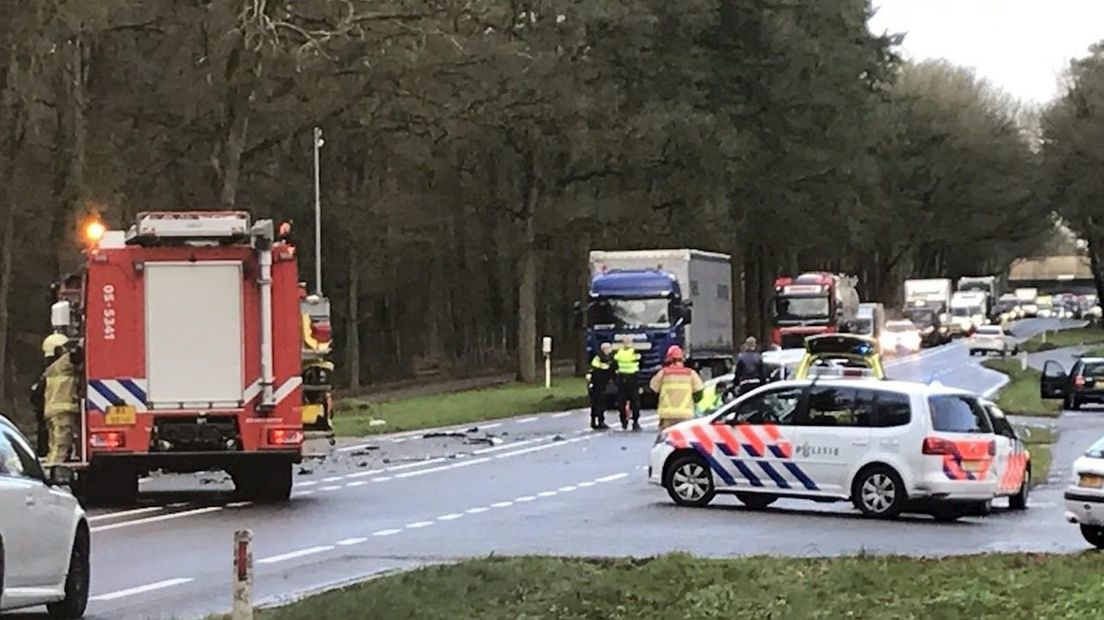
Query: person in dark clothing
(602, 369)
(750, 372)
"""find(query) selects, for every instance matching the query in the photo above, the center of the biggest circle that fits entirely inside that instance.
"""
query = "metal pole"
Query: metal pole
(243, 575)
(318, 142)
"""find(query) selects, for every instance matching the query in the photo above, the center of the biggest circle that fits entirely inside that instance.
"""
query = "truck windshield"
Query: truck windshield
(630, 313)
(922, 318)
(973, 286)
(960, 312)
(801, 308)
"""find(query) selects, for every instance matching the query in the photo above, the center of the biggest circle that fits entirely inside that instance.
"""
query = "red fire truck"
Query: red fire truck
(191, 331)
(810, 304)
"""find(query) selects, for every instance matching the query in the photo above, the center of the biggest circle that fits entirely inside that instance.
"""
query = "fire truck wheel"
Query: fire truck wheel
(264, 484)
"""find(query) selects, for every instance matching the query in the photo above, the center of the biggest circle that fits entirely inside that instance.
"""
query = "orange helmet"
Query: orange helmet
(674, 353)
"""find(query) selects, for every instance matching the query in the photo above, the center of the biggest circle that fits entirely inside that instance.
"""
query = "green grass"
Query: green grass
(980, 587)
(352, 417)
(1021, 395)
(1064, 338)
(1039, 441)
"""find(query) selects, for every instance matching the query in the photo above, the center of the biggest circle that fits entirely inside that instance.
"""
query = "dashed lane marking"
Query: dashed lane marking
(386, 532)
(355, 483)
(502, 504)
(524, 498)
(330, 488)
(450, 517)
(477, 510)
(349, 542)
(291, 555)
(433, 470)
(152, 587)
(417, 525)
(125, 513)
(562, 414)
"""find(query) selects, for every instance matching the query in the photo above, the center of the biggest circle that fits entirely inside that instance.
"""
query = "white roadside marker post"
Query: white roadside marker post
(243, 575)
(546, 348)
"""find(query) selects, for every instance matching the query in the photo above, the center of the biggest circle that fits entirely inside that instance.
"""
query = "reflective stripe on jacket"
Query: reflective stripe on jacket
(676, 386)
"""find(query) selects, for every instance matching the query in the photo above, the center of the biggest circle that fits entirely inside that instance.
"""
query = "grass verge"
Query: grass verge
(353, 417)
(1021, 395)
(1039, 442)
(681, 586)
(1064, 338)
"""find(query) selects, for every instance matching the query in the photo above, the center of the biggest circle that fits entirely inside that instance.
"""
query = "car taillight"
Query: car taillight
(285, 437)
(1079, 382)
(107, 439)
(935, 445)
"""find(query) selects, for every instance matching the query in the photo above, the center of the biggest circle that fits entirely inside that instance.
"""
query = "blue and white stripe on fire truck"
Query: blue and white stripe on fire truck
(104, 393)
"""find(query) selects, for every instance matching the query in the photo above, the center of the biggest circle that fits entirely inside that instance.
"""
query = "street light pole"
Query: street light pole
(318, 142)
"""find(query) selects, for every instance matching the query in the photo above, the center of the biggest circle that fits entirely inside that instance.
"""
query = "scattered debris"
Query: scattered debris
(365, 451)
(474, 429)
(558, 438)
(440, 434)
(377, 422)
(489, 440)
(362, 464)
(305, 471)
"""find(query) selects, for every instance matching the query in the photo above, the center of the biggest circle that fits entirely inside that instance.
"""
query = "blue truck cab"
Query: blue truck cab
(646, 304)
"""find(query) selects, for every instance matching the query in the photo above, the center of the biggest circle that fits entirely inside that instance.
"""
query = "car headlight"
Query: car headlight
(661, 437)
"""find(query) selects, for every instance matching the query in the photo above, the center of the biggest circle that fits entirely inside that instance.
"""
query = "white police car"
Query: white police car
(1085, 495)
(44, 539)
(886, 446)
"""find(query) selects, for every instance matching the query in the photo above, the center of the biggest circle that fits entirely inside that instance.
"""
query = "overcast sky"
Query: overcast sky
(1021, 45)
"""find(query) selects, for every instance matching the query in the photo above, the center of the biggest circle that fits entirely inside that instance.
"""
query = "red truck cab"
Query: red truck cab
(190, 326)
(812, 304)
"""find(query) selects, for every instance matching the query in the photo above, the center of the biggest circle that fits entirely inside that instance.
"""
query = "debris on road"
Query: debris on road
(441, 434)
(365, 451)
(377, 422)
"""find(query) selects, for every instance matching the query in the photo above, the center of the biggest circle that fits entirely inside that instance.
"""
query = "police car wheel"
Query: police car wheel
(1019, 500)
(1094, 535)
(878, 492)
(689, 481)
(756, 501)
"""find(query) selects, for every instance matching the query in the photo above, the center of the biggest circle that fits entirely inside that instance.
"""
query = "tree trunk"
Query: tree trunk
(527, 292)
(1096, 263)
(739, 295)
(237, 131)
(14, 139)
(352, 321)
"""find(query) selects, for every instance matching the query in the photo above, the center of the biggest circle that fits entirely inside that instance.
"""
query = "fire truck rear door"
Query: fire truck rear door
(194, 334)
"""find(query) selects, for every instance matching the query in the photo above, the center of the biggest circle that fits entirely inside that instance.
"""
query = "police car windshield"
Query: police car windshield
(1097, 450)
(630, 313)
(958, 414)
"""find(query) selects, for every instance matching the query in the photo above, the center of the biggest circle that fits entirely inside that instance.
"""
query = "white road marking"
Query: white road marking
(304, 494)
(356, 483)
(509, 446)
(157, 519)
(349, 542)
(381, 479)
(160, 585)
(567, 489)
(418, 464)
(494, 425)
(502, 504)
(547, 494)
(365, 474)
(125, 513)
(418, 525)
(239, 504)
(178, 505)
(611, 478)
(433, 470)
(330, 488)
(527, 420)
(524, 498)
(475, 511)
(386, 532)
(584, 485)
(450, 517)
(308, 483)
(332, 479)
(562, 414)
(283, 557)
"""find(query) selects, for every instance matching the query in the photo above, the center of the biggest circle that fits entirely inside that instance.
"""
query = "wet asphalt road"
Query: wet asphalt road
(550, 487)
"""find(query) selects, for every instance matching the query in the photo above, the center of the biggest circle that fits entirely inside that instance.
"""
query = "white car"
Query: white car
(901, 336)
(44, 536)
(886, 446)
(991, 339)
(1085, 495)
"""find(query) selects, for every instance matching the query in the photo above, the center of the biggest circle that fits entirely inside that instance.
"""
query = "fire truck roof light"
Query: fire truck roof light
(94, 231)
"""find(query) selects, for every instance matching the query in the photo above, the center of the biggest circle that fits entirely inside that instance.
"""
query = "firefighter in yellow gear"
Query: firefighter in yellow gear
(678, 387)
(627, 359)
(60, 406)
